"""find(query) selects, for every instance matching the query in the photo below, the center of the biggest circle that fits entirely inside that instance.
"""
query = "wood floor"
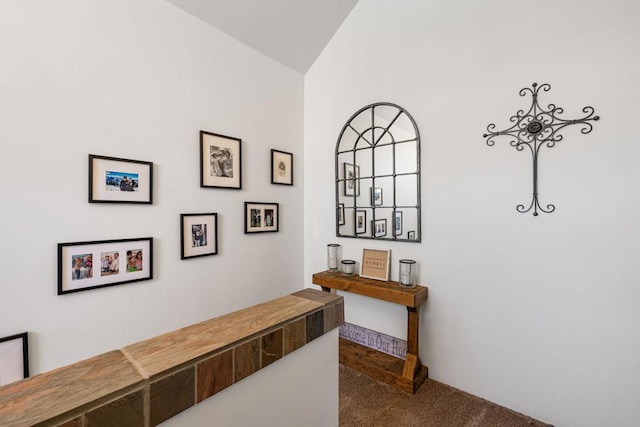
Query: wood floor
(365, 402)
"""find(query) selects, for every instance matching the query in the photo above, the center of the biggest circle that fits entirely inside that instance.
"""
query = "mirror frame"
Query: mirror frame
(374, 130)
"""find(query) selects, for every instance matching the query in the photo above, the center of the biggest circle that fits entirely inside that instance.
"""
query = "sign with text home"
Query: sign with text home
(376, 340)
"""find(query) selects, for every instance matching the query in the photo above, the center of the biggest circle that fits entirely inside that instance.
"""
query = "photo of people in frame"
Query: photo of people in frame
(109, 263)
(268, 217)
(81, 266)
(221, 161)
(134, 260)
(198, 235)
(122, 181)
(256, 217)
(380, 227)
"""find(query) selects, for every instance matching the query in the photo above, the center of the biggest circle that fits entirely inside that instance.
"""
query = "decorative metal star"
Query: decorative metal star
(534, 129)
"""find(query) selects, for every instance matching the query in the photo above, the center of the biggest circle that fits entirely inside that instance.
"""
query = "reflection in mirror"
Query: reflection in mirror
(378, 175)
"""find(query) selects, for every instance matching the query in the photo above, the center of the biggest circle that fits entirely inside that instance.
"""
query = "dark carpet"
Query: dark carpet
(367, 402)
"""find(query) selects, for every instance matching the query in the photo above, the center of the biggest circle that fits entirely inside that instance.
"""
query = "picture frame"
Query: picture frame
(411, 235)
(361, 221)
(351, 179)
(379, 227)
(14, 358)
(340, 213)
(116, 180)
(375, 264)
(376, 196)
(116, 262)
(281, 167)
(397, 223)
(261, 217)
(220, 161)
(198, 235)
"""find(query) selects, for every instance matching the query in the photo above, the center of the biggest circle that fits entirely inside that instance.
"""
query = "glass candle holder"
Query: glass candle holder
(407, 273)
(334, 254)
(348, 267)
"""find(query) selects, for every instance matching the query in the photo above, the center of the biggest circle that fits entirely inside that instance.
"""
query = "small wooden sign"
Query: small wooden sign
(375, 264)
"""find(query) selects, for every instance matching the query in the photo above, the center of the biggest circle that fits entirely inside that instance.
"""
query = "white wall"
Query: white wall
(535, 313)
(137, 80)
(294, 391)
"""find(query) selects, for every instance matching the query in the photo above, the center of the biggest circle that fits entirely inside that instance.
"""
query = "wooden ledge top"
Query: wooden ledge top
(42, 397)
(76, 388)
(379, 289)
(156, 355)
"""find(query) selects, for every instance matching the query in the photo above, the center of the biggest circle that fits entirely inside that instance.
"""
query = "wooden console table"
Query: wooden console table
(407, 375)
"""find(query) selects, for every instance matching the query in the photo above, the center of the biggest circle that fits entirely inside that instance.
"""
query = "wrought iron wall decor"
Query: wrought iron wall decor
(537, 128)
(378, 175)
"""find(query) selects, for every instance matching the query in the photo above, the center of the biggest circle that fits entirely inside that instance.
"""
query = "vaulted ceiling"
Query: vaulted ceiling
(293, 32)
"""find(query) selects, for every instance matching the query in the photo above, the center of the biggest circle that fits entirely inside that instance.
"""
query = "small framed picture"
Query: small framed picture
(361, 222)
(198, 235)
(379, 227)
(397, 223)
(375, 264)
(220, 161)
(119, 261)
(281, 167)
(114, 180)
(411, 235)
(351, 180)
(376, 196)
(340, 213)
(261, 217)
(14, 358)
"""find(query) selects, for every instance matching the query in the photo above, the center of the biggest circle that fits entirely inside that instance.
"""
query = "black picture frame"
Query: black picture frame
(376, 196)
(14, 358)
(261, 217)
(117, 180)
(340, 213)
(77, 272)
(281, 167)
(397, 223)
(220, 161)
(379, 227)
(351, 174)
(198, 235)
(360, 221)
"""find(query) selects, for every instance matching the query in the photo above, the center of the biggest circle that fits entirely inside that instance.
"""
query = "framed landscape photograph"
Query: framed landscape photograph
(397, 223)
(376, 196)
(220, 161)
(351, 180)
(261, 217)
(198, 235)
(14, 358)
(340, 213)
(114, 180)
(361, 222)
(380, 227)
(90, 265)
(281, 167)
(375, 264)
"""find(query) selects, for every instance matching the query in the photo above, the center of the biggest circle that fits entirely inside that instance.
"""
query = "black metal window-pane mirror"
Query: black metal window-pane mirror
(378, 175)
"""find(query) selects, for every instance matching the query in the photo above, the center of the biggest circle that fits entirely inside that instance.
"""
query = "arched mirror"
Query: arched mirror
(378, 175)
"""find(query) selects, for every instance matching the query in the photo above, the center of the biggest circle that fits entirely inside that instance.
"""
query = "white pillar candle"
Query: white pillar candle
(348, 267)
